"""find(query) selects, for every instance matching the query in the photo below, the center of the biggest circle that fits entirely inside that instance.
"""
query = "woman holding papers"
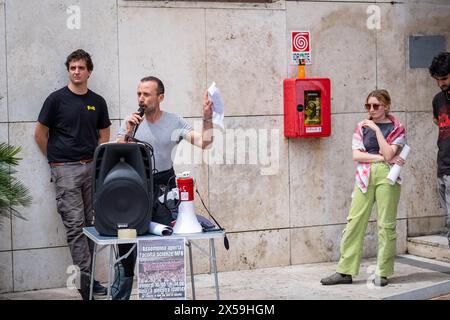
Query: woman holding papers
(376, 143)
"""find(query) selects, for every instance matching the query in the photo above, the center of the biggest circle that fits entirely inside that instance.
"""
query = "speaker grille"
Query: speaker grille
(123, 202)
(122, 188)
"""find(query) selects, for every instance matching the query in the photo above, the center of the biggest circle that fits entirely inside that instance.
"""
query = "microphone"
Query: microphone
(141, 111)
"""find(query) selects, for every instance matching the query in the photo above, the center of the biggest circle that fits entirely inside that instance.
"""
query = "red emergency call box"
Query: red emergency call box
(307, 107)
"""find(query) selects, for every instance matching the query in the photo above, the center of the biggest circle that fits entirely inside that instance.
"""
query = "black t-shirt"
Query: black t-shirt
(370, 137)
(73, 121)
(441, 112)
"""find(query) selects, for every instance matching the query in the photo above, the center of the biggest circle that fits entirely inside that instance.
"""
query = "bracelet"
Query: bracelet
(207, 120)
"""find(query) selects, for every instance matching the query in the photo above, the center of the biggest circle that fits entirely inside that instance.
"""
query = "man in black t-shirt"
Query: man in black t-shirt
(72, 122)
(440, 70)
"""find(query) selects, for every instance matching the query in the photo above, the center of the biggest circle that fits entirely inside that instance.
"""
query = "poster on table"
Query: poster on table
(161, 269)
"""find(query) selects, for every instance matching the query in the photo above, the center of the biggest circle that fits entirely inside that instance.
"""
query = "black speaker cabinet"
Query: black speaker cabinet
(122, 188)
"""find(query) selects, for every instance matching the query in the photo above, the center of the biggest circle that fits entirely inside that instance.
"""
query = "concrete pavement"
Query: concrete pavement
(414, 278)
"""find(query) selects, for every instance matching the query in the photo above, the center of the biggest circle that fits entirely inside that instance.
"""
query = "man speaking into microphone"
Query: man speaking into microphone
(163, 131)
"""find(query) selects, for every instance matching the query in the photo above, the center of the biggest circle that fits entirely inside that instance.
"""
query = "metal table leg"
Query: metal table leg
(111, 265)
(191, 264)
(94, 257)
(214, 267)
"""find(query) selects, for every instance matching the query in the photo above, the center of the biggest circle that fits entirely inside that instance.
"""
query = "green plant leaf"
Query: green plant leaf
(13, 193)
(8, 154)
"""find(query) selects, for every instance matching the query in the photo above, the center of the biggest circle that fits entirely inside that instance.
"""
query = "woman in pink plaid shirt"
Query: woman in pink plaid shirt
(376, 143)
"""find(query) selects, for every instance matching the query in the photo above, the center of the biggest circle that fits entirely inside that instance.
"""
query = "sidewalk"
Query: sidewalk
(414, 278)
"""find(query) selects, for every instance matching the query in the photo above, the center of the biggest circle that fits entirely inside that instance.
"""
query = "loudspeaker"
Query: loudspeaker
(186, 219)
(122, 188)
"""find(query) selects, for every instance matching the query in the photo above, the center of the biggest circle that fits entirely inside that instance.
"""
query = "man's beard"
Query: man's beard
(147, 109)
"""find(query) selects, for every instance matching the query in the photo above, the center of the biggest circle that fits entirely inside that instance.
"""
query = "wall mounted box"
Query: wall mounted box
(307, 107)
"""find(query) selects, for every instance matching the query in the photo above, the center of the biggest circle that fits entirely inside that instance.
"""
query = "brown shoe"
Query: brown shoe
(337, 278)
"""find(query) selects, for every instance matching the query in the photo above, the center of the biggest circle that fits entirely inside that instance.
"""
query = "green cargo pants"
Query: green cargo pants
(386, 196)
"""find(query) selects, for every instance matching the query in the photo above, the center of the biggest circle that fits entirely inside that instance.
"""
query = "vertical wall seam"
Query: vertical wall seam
(118, 61)
(208, 172)
(405, 61)
(287, 48)
(8, 138)
(6, 67)
(376, 57)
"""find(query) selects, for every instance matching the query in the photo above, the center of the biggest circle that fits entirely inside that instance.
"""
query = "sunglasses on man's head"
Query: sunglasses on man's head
(375, 106)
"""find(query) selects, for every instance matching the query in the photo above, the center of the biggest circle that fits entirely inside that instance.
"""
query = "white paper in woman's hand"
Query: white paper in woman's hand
(396, 169)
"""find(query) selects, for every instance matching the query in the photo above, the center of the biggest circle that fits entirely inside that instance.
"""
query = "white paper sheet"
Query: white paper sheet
(218, 111)
(396, 169)
(160, 229)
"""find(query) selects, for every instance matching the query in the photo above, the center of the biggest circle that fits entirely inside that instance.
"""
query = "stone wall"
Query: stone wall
(286, 201)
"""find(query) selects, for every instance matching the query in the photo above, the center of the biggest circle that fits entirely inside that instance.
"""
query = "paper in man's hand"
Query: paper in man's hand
(218, 111)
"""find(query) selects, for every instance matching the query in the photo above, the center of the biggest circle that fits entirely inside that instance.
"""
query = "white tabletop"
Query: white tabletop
(92, 234)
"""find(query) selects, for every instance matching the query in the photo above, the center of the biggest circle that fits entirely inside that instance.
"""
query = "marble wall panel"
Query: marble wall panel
(391, 53)
(6, 270)
(202, 4)
(5, 223)
(168, 44)
(41, 34)
(5, 234)
(115, 125)
(419, 187)
(350, 1)
(422, 226)
(424, 19)
(3, 87)
(258, 249)
(245, 57)
(200, 260)
(43, 227)
(322, 243)
(342, 49)
(4, 136)
(321, 174)
(41, 268)
(248, 175)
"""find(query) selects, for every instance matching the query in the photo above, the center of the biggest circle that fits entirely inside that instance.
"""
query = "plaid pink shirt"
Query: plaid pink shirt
(397, 136)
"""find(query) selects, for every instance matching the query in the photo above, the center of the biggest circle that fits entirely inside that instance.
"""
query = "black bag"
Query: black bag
(164, 181)
(161, 213)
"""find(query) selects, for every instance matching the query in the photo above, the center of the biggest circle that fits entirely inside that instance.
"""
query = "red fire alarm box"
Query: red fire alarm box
(307, 107)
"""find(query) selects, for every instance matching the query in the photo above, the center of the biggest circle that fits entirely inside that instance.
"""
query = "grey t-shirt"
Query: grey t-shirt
(164, 136)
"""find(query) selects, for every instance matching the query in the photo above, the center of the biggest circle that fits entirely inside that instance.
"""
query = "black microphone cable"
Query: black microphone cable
(226, 244)
(131, 138)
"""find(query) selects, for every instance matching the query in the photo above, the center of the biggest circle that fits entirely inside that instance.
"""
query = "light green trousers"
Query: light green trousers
(386, 196)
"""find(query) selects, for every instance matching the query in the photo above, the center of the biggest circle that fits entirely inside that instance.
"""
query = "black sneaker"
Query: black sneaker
(98, 289)
(337, 278)
(380, 281)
